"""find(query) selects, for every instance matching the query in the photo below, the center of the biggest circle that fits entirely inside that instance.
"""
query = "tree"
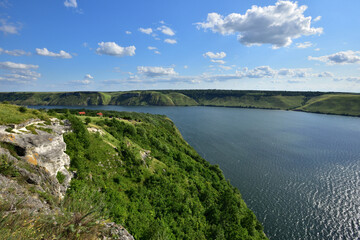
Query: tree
(87, 120)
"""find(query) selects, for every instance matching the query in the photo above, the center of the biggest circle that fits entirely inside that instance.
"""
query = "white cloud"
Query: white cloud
(128, 32)
(9, 28)
(88, 77)
(344, 57)
(146, 30)
(170, 41)
(268, 72)
(155, 75)
(47, 53)
(212, 55)
(318, 18)
(317, 49)
(218, 61)
(225, 67)
(18, 72)
(112, 49)
(152, 48)
(349, 79)
(304, 45)
(17, 66)
(166, 30)
(325, 75)
(80, 82)
(186, 66)
(70, 3)
(157, 52)
(15, 52)
(276, 24)
(155, 71)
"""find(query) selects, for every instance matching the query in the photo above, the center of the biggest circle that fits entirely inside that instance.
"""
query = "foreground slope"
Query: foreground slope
(133, 169)
(319, 102)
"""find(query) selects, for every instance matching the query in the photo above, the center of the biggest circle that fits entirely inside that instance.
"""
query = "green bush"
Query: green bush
(23, 109)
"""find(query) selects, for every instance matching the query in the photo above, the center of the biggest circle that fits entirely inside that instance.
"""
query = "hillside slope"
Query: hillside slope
(319, 102)
(133, 169)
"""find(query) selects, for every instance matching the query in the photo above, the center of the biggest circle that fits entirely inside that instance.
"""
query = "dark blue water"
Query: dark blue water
(299, 172)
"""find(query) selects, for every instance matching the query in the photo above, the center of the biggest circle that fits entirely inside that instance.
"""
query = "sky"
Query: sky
(112, 45)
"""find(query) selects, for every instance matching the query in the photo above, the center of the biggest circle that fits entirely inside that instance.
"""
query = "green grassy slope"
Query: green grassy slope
(15, 114)
(137, 170)
(153, 182)
(333, 103)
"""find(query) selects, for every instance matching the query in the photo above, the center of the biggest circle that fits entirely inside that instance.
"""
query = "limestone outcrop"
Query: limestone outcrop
(41, 145)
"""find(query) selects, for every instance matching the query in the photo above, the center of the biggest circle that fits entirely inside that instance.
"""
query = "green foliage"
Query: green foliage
(60, 177)
(87, 120)
(31, 128)
(171, 193)
(7, 168)
(9, 130)
(78, 219)
(22, 109)
(10, 114)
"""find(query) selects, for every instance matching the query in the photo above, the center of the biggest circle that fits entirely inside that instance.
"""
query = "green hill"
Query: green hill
(319, 102)
(334, 104)
(134, 169)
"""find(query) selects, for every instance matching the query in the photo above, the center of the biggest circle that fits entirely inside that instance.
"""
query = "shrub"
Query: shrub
(22, 109)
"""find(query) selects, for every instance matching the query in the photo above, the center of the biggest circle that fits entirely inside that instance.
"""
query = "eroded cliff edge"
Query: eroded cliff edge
(34, 177)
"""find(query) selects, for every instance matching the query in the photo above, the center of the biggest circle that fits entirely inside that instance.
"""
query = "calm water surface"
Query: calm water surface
(299, 172)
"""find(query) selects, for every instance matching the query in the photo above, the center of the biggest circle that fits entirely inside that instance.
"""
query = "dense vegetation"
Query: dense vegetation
(320, 102)
(152, 181)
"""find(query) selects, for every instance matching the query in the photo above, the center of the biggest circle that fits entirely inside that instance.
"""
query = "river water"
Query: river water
(299, 172)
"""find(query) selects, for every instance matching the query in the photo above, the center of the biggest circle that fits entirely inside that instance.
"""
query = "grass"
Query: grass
(11, 114)
(334, 104)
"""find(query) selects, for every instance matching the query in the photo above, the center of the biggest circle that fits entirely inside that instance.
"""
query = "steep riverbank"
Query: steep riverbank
(134, 169)
(317, 102)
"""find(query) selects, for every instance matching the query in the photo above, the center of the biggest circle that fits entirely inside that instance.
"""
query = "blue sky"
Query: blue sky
(86, 45)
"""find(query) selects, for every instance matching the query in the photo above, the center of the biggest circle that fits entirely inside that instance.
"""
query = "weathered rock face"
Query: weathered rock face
(45, 149)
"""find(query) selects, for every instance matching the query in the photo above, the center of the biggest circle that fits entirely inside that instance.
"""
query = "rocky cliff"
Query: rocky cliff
(34, 177)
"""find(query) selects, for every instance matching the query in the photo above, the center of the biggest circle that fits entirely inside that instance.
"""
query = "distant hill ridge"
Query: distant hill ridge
(317, 102)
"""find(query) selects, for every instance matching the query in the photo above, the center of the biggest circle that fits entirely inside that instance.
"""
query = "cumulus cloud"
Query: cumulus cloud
(156, 71)
(212, 55)
(9, 28)
(47, 53)
(276, 24)
(70, 3)
(128, 32)
(170, 41)
(146, 30)
(304, 45)
(112, 49)
(152, 48)
(344, 57)
(18, 72)
(166, 30)
(15, 52)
